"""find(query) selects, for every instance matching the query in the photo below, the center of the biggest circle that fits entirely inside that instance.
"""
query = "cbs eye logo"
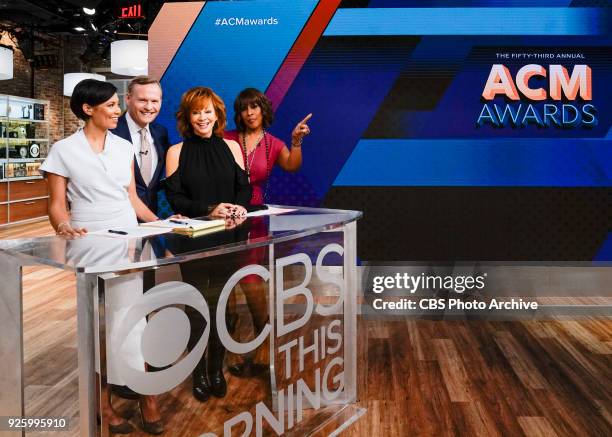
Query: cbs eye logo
(164, 338)
(167, 333)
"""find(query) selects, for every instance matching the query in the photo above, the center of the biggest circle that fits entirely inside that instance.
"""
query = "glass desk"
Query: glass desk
(271, 303)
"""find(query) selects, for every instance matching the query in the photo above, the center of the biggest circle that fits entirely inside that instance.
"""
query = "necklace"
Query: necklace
(248, 165)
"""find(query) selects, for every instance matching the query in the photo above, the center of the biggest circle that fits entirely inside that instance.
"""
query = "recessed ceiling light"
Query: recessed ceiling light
(79, 29)
(89, 11)
(93, 26)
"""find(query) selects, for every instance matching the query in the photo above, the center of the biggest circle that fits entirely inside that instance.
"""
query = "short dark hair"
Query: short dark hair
(248, 97)
(142, 80)
(91, 92)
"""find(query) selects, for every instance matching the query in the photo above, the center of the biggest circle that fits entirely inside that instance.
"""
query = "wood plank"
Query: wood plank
(520, 361)
(585, 337)
(536, 427)
(415, 342)
(453, 371)
(477, 419)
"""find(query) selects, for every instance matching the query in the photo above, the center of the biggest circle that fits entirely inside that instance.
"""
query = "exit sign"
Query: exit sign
(129, 9)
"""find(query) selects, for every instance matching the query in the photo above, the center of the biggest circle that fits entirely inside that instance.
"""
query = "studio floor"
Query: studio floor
(415, 377)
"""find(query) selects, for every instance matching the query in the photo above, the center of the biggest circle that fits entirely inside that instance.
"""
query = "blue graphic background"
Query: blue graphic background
(230, 58)
(354, 66)
(395, 89)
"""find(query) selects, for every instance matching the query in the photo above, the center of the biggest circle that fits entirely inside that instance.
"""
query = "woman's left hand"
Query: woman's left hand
(300, 131)
(237, 211)
(231, 223)
(228, 210)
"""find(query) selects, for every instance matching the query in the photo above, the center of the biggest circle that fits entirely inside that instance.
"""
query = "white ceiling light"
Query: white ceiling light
(130, 57)
(6, 62)
(89, 11)
(79, 29)
(72, 79)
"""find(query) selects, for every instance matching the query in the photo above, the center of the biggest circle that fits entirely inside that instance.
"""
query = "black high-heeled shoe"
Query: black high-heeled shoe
(155, 428)
(218, 386)
(201, 388)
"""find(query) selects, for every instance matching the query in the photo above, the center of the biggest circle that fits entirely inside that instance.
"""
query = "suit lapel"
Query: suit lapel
(137, 175)
(157, 141)
(122, 129)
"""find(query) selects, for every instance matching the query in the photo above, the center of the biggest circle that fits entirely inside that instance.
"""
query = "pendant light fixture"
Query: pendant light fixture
(72, 79)
(130, 57)
(6, 62)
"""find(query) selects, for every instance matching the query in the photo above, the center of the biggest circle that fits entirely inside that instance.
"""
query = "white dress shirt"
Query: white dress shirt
(135, 134)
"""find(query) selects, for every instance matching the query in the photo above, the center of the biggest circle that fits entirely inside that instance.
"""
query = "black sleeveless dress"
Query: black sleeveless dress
(207, 175)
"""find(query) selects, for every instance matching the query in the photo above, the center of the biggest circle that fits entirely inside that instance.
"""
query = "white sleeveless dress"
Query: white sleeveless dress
(97, 193)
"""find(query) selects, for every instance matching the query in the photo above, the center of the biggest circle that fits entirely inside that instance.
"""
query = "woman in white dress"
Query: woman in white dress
(91, 184)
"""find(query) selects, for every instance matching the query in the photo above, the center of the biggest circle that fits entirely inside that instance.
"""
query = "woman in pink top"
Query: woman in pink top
(260, 151)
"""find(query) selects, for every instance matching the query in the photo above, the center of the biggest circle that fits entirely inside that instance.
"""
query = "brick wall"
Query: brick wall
(48, 85)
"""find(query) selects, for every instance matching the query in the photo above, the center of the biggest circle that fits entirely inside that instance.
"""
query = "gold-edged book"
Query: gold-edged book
(200, 233)
(189, 227)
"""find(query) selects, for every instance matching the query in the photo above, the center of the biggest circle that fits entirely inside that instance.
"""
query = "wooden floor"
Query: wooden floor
(416, 377)
(536, 378)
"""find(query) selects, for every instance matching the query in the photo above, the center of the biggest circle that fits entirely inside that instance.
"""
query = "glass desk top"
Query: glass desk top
(100, 253)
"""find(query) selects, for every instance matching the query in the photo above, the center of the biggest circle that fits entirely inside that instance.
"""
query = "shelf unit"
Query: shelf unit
(24, 144)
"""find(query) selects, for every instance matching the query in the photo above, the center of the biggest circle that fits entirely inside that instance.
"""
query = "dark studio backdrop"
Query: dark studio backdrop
(470, 130)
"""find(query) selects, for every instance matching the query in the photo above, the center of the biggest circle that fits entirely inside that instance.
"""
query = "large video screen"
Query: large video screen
(464, 130)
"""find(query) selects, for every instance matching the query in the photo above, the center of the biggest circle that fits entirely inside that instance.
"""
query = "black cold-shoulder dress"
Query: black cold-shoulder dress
(207, 175)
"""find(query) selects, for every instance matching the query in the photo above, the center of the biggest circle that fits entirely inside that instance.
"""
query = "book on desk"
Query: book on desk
(189, 227)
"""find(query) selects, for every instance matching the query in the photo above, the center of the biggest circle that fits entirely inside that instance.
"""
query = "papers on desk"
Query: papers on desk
(186, 226)
(272, 210)
(127, 233)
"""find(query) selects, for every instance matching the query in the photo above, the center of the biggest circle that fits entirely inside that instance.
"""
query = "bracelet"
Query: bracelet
(297, 143)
